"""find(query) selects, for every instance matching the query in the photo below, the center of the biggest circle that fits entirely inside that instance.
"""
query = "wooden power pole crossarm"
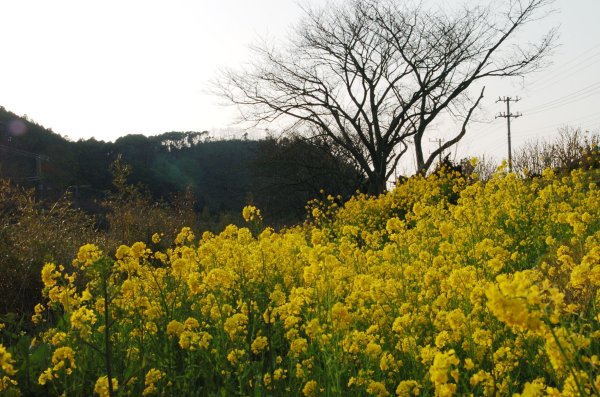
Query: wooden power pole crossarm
(508, 115)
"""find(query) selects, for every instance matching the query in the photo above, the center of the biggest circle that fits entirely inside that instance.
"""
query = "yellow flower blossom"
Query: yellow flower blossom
(82, 320)
(251, 213)
(235, 355)
(408, 388)
(87, 255)
(377, 389)
(6, 361)
(236, 325)
(153, 376)
(259, 344)
(310, 388)
(49, 275)
(101, 386)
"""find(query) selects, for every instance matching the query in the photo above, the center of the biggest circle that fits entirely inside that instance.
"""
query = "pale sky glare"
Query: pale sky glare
(109, 68)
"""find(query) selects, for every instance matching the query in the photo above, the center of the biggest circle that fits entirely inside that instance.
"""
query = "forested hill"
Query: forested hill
(223, 175)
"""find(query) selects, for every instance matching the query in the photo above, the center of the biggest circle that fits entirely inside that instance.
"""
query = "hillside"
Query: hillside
(222, 175)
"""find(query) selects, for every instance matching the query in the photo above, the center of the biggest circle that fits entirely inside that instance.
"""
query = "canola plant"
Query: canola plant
(443, 286)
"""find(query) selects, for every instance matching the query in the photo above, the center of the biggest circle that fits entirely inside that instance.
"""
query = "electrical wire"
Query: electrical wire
(552, 78)
(590, 118)
(592, 87)
(574, 100)
(553, 82)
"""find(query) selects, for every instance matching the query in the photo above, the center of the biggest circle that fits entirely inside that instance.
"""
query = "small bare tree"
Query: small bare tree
(572, 148)
(371, 76)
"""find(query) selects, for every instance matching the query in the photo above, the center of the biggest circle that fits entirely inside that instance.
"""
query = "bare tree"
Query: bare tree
(572, 148)
(372, 75)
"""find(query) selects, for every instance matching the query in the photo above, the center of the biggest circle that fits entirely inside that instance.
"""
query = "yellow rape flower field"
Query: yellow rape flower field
(443, 286)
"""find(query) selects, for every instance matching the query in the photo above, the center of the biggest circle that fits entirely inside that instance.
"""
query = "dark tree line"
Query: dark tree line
(279, 176)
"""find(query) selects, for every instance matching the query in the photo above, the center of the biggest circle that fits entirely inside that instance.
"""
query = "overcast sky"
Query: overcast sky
(109, 68)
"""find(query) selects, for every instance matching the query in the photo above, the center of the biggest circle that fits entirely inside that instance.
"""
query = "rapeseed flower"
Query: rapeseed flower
(101, 386)
(440, 286)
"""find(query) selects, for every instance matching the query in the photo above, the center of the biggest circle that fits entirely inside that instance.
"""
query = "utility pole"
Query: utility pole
(508, 115)
(439, 142)
(38, 164)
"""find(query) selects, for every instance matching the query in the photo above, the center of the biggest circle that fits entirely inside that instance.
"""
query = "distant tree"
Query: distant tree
(180, 140)
(289, 172)
(370, 76)
(484, 167)
(573, 148)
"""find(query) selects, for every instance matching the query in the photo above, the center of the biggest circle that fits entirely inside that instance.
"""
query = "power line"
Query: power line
(38, 163)
(568, 102)
(590, 118)
(563, 77)
(566, 67)
(591, 88)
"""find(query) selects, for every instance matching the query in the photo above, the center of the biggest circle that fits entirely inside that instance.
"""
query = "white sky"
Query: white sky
(109, 68)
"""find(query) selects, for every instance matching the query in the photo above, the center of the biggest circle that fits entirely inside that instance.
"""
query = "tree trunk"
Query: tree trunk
(376, 184)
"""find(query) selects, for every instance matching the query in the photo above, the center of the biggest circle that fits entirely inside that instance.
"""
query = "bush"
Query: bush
(32, 233)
